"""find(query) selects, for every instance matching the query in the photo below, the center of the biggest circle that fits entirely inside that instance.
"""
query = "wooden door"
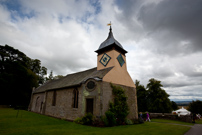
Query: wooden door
(89, 105)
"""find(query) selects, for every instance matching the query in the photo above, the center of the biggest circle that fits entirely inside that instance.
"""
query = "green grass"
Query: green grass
(171, 121)
(28, 123)
(198, 121)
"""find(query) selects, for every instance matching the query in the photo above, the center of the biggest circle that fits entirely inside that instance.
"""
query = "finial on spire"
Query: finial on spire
(109, 24)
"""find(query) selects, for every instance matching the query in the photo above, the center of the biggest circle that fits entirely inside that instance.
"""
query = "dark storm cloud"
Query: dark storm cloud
(177, 24)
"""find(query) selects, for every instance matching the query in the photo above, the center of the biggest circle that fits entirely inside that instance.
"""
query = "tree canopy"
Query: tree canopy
(174, 105)
(18, 75)
(141, 97)
(195, 106)
(153, 98)
(158, 100)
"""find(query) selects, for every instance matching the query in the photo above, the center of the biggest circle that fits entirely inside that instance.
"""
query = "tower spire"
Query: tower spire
(110, 42)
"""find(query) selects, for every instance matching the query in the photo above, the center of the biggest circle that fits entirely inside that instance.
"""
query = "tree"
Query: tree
(174, 105)
(41, 75)
(158, 100)
(50, 77)
(40, 71)
(57, 77)
(141, 97)
(195, 106)
(18, 75)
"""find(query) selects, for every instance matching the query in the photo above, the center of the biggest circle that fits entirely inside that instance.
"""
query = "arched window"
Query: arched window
(76, 95)
(41, 106)
(54, 98)
(36, 101)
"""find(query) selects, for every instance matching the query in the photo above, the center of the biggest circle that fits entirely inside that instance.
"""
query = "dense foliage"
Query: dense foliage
(110, 119)
(195, 107)
(158, 100)
(85, 120)
(174, 105)
(119, 108)
(142, 95)
(18, 75)
(153, 98)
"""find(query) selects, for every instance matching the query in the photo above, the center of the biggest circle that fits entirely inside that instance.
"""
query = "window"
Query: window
(54, 98)
(36, 101)
(76, 95)
(90, 85)
(41, 106)
(121, 60)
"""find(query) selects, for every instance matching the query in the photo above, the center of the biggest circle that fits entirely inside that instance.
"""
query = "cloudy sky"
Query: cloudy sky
(163, 37)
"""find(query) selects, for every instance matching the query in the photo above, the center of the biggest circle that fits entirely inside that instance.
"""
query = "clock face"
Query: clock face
(105, 59)
(121, 60)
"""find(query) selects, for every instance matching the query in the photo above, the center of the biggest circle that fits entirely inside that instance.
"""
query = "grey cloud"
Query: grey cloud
(163, 37)
(188, 94)
(176, 23)
(174, 26)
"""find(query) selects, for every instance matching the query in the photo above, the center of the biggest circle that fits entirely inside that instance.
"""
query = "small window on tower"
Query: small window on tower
(105, 59)
(121, 60)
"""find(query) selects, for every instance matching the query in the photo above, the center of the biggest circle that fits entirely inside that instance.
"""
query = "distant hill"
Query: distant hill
(182, 103)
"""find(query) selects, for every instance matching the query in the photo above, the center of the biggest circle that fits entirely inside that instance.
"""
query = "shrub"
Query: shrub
(120, 106)
(78, 121)
(87, 119)
(128, 122)
(110, 119)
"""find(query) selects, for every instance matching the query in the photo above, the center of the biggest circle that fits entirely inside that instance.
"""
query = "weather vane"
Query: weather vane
(109, 24)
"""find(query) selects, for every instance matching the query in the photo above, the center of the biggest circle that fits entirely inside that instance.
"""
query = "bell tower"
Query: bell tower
(112, 54)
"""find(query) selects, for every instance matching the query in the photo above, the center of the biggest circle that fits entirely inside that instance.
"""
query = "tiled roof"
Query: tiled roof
(73, 79)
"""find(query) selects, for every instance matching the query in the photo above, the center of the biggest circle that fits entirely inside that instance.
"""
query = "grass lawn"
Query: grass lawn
(171, 121)
(198, 121)
(28, 123)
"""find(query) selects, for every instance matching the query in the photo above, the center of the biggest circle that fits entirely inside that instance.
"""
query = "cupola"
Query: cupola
(110, 43)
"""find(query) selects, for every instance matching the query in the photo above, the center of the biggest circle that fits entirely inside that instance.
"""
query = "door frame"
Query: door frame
(93, 104)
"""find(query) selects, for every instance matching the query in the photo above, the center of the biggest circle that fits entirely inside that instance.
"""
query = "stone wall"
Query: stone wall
(131, 100)
(170, 116)
(37, 103)
(101, 95)
(64, 104)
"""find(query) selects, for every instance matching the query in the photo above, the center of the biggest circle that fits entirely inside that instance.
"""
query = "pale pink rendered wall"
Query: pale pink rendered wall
(118, 75)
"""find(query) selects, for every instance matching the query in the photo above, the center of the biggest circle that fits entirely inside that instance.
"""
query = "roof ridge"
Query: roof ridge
(81, 71)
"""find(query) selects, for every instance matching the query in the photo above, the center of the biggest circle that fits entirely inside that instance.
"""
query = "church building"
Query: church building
(76, 94)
